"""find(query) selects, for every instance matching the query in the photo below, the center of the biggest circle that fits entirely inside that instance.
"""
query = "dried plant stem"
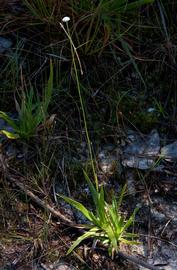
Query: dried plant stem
(56, 213)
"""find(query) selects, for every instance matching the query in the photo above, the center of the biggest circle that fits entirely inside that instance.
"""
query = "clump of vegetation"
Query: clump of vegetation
(31, 112)
(97, 23)
(107, 224)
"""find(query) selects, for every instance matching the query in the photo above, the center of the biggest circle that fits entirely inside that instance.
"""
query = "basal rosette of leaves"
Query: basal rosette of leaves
(107, 224)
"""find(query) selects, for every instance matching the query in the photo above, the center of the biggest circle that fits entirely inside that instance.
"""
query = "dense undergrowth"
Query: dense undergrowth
(125, 59)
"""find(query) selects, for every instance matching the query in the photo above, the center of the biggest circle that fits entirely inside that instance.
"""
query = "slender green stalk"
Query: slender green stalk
(74, 52)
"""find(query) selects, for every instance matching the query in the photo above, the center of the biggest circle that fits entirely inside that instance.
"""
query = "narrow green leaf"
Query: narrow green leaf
(127, 49)
(130, 242)
(115, 220)
(111, 235)
(130, 235)
(135, 5)
(101, 206)
(93, 190)
(130, 220)
(79, 206)
(9, 135)
(122, 193)
(80, 239)
(48, 90)
(10, 121)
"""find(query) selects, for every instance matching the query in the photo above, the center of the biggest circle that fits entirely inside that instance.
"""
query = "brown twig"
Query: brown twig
(137, 261)
(41, 203)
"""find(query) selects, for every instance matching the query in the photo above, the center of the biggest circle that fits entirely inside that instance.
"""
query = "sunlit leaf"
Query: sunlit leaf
(86, 235)
(9, 135)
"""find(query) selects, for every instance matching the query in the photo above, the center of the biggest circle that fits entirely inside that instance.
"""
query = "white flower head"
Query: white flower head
(66, 19)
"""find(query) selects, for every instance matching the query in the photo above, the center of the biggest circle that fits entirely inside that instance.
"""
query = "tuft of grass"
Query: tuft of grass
(31, 112)
(101, 22)
(107, 224)
(41, 9)
(96, 24)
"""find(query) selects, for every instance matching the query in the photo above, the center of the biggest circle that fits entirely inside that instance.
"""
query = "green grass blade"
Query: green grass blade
(31, 8)
(10, 121)
(92, 189)
(111, 235)
(135, 5)
(127, 49)
(115, 219)
(130, 220)
(98, 199)
(48, 90)
(130, 235)
(122, 193)
(130, 242)
(79, 206)
(80, 239)
(100, 207)
(9, 135)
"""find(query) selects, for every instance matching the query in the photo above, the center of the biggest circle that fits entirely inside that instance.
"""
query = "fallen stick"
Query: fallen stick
(137, 261)
(41, 203)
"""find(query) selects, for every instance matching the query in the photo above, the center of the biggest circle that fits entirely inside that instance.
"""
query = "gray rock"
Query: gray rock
(63, 266)
(169, 152)
(58, 265)
(5, 44)
(141, 152)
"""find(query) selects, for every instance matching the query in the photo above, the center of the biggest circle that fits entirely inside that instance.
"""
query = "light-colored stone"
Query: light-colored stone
(5, 44)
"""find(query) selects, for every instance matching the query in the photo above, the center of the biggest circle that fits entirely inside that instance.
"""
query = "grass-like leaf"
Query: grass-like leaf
(91, 233)
(9, 135)
(79, 206)
(7, 118)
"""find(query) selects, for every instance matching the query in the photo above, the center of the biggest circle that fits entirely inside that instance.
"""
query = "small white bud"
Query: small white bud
(66, 19)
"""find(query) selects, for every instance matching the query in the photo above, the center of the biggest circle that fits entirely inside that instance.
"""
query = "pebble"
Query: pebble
(5, 44)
